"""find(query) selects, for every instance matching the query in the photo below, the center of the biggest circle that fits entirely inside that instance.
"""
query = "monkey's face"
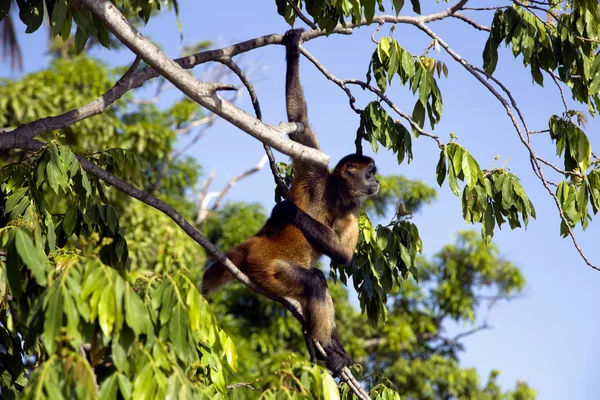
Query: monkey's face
(359, 174)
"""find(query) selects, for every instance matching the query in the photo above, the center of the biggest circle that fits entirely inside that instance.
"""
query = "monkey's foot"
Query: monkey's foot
(337, 358)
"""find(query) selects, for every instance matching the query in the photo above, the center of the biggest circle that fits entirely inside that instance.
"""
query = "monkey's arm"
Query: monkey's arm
(339, 244)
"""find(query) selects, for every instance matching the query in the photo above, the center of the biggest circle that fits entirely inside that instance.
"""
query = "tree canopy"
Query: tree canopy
(106, 225)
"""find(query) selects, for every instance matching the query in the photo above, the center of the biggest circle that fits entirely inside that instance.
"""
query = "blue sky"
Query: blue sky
(547, 337)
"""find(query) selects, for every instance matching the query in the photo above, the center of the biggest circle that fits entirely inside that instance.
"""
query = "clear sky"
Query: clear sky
(548, 337)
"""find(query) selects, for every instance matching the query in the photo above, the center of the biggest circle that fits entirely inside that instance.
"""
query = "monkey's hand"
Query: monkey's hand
(286, 211)
(293, 37)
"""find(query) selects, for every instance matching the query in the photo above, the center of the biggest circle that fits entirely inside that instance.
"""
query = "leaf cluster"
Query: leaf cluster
(491, 198)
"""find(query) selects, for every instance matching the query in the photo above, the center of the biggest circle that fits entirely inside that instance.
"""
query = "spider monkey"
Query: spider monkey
(320, 216)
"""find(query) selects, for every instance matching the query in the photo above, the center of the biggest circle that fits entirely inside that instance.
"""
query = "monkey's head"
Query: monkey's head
(357, 172)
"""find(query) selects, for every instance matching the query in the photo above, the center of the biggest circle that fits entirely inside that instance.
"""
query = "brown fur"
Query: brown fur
(279, 256)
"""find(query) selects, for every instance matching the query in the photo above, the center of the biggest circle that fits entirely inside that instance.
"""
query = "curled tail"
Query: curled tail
(216, 275)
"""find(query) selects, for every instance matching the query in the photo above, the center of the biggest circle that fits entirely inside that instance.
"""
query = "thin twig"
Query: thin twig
(560, 89)
(485, 8)
(381, 23)
(342, 83)
(301, 15)
(554, 167)
(255, 104)
(243, 384)
(477, 73)
(471, 22)
(332, 78)
(236, 179)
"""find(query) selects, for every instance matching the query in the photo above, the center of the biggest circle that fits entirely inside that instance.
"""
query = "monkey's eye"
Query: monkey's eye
(350, 166)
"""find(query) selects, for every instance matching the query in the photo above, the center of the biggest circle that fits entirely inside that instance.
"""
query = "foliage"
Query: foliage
(98, 293)
(87, 322)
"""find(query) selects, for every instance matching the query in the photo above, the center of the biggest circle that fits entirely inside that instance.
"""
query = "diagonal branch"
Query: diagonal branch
(28, 131)
(201, 92)
(477, 73)
(144, 197)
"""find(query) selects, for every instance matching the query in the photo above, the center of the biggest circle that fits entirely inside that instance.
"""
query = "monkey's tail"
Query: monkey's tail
(217, 276)
(295, 102)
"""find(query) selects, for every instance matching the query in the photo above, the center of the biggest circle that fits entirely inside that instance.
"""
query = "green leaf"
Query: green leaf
(119, 357)
(369, 6)
(107, 310)
(32, 256)
(595, 83)
(424, 87)
(416, 5)
(487, 227)
(383, 49)
(330, 388)
(471, 170)
(31, 13)
(13, 271)
(379, 73)
(85, 182)
(452, 180)
(398, 4)
(408, 65)
(59, 15)
(14, 199)
(394, 61)
(52, 319)
(136, 313)
(108, 388)
(4, 8)
(70, 220)
(440, 170)
(111, 219)
(81, 37)
(418, 115)
(125, 386)
(178, 331)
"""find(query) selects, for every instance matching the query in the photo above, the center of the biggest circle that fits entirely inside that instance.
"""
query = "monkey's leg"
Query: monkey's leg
(309, 287)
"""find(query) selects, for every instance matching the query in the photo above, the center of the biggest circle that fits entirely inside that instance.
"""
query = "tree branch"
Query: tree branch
(254, 98)
(201, 92)
(144, 197)
(471, 22)
(477, 73)
(301, 15)
(205, 211)
(136, 80)
(32, 129)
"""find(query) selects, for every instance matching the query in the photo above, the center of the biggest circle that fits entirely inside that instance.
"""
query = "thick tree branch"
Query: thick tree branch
(201, 92)
(136, 80)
